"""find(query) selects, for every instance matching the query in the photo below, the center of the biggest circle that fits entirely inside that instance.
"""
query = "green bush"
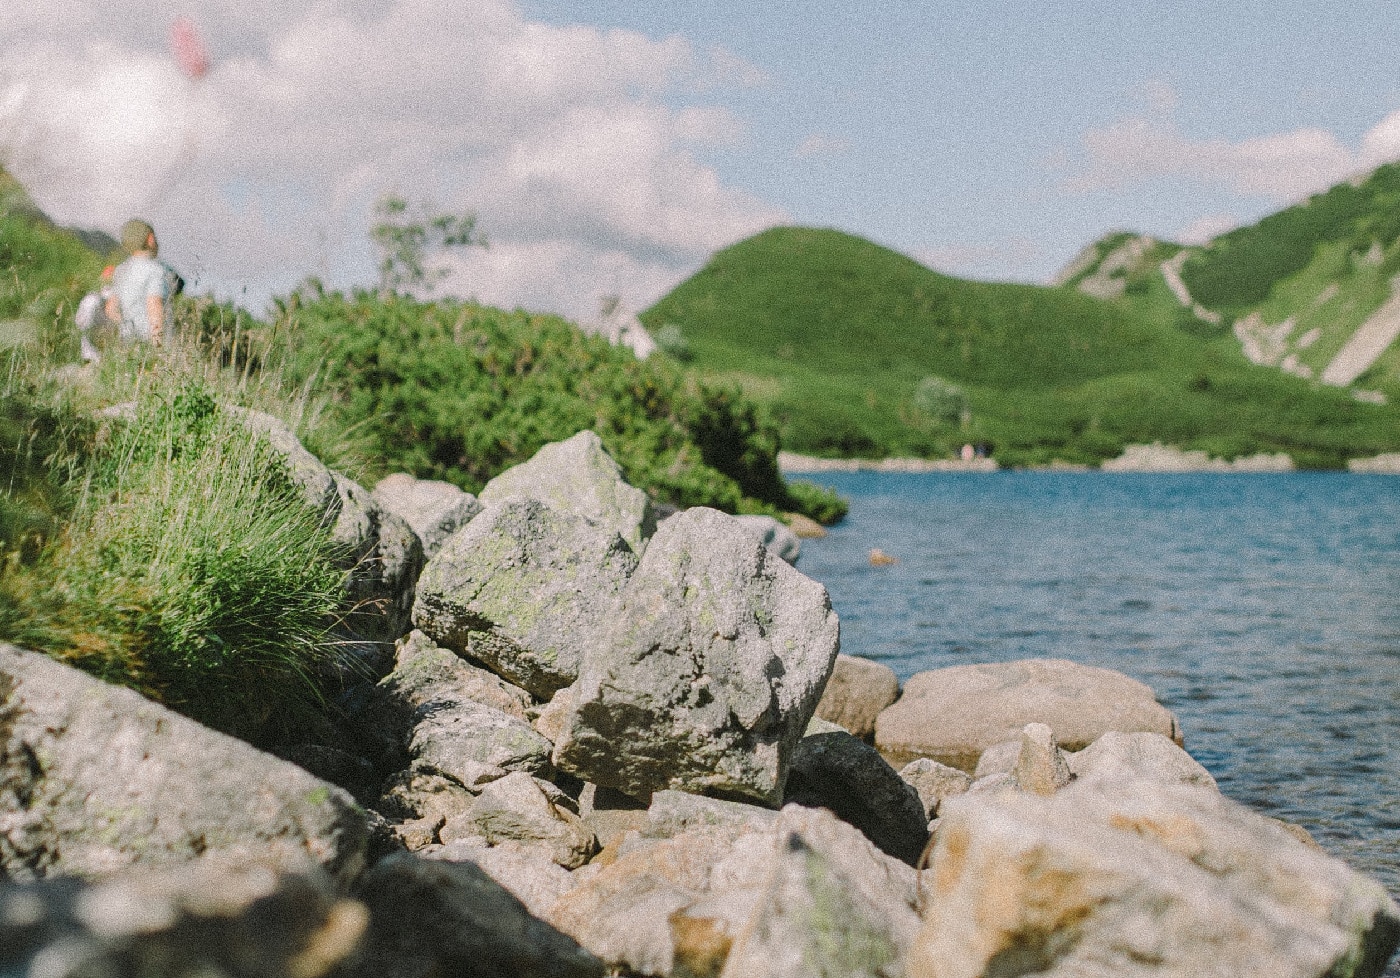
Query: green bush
(941, 400)
(460, 392)
(673, 343)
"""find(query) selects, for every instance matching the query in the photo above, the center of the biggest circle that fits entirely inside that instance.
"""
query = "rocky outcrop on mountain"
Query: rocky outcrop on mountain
(952, 715)
(1167, 458)
(97, 779)
(714, 663)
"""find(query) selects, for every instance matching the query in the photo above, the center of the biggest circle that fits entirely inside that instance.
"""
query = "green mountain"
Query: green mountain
(1308, 290)
(858, 350)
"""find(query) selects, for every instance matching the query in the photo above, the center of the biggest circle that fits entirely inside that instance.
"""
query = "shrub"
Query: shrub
(941, 400)
(673, 343)
(191, 570)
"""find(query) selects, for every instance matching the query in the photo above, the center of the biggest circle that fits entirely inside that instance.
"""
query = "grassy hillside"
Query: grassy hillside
(861, 351)
(1288, 291)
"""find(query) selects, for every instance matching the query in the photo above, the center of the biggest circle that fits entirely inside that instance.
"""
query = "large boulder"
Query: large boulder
(95, 778)
(378, 548)
(473, 744)
(578, 476)
(857, 693)
(709, 672)
(1125, 756)
(774, 535)
(952, 715)
(1138, 879)
(522, 809)
(243, 921)
(439, 917)
(434, 510)
(530, 875)
(848, 777)
(525, 588)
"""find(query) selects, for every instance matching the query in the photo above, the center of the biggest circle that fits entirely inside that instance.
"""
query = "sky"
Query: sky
(610, 147)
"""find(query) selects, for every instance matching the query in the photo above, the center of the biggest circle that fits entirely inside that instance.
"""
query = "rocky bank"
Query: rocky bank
(607, 743)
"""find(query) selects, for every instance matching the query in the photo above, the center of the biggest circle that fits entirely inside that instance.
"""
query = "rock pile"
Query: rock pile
(615, 746)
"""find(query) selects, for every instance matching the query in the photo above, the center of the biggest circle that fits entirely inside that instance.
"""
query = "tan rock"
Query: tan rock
(934, 782)
(952, 715)
(1122, 756)
(856, 693)
(1136, 879)
(1040, 764)
(804, 527)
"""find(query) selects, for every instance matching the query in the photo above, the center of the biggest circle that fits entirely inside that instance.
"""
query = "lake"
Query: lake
(1263, 609)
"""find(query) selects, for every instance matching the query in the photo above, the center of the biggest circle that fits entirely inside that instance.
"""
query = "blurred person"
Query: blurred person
(142, 287)
(95, 329)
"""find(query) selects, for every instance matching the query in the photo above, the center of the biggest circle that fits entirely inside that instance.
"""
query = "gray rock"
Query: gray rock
(934, 782)
(952, 715)
(856, 694)
(1040, 764)
(468, 741)
(198, 919)
(415, 793)
(813, 916)
(611, 814)
(578, 476)
(425, 672)
(710, 672)
(848, 777)
(998, 759)
(435, 510)
(1124, 756)
(517, 808)
(774, 535)
(674, 812)
(95, 778)
(437, 917)
(530, 875)
(525, 588)
(379, 550)
(1143, 879)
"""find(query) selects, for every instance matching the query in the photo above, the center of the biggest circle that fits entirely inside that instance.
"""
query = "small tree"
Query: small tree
(408, 240)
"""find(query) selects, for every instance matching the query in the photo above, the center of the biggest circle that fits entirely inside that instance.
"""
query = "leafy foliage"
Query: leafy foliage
(460, 392)
(407, 240)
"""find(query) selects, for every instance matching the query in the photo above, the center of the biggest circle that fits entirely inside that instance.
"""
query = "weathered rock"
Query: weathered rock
(242, 921)
(435, 510)
(1040, 768)
(610, 813)
(811, 917)
(934, 782)
(578, 476)
(710, 672)
(468, 741)
(436, 917)
(1120, 756)
(415, 793)
(95, 778)
(848, 777)
(623, 913)
(998, 759)
(378, 548)
(952, 715)
(424, 673)
(525, 588)
(676, 906)
(530, 875)
(553, 718)
(1141, 878)
(674, 812)
(856, 693)
(517, 808)
(773, 535)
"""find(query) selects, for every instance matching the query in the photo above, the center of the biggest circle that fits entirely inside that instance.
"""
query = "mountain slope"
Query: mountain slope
(1309, 290)
(861, 351)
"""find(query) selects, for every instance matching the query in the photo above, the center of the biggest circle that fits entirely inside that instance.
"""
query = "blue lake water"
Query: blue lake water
(1263, 609)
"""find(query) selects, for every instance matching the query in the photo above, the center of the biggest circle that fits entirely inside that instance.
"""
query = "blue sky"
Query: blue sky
(610, 147)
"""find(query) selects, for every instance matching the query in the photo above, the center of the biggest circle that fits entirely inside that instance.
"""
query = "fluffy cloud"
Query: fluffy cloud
(561, 138)
(1283, 167)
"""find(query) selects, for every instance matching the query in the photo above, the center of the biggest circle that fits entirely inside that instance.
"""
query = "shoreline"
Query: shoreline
(1155, 458)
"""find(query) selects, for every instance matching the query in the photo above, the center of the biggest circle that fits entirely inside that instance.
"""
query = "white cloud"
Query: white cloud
(266, 169)
(1283, 167)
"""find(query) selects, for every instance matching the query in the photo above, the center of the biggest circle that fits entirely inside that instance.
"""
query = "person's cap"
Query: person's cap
(107, 273)
(135, 234)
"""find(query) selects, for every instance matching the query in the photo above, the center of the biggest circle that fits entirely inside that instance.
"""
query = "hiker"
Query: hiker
(95, 329)
(141, 287)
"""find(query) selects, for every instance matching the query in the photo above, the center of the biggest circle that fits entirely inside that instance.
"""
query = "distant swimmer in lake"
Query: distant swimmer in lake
(142, 288)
